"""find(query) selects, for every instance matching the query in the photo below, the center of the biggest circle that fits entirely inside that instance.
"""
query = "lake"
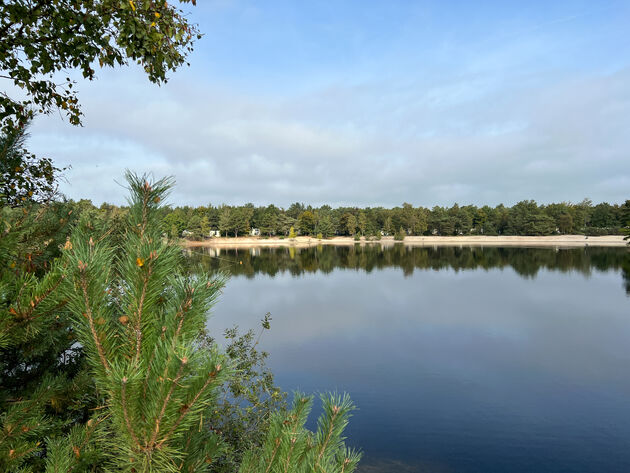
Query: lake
(472, 360)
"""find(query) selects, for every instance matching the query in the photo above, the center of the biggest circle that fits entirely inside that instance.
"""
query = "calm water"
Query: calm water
(459, 359)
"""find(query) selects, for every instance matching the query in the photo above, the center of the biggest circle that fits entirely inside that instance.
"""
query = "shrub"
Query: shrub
(400, 234)
(597, 231)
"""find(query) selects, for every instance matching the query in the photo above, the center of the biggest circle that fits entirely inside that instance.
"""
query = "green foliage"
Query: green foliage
(413, 220)
(45, 389)
(285, 222)
(290, 447)
(320, 236)
(269, 221)
(292, 233)
(43, 39)
(24, 177)
(351, 223)
(241, 217)
(525, 218)
(306, 222)
(388, 226)
(325, 226)
(375, 236)
(295, 209)
(357, 237)
(235, 220)
(362, 222)
(140, 322)
(624, 218)
(400, 234)
(244, 412)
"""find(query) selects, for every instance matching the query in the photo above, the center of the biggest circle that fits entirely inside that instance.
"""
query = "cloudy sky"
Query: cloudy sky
(369, 103)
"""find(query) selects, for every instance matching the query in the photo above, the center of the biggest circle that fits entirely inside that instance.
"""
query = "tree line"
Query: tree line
(524, 218)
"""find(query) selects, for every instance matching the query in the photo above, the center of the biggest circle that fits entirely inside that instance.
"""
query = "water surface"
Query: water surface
(459, 359)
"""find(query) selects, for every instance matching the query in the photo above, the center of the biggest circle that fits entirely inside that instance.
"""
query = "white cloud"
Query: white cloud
(374, 143)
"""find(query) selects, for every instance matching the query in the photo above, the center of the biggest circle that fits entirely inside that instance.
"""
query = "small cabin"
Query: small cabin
(254, 232)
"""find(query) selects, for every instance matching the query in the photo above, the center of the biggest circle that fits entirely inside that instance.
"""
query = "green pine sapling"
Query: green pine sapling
(140, 322)
(291, 448)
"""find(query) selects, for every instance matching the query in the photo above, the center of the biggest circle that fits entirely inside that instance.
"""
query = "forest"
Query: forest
(523, 218)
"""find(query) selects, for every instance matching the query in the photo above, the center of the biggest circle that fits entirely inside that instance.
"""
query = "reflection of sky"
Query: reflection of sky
(475, 371)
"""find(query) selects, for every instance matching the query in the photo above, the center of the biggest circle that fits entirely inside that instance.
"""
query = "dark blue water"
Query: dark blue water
(470, 367)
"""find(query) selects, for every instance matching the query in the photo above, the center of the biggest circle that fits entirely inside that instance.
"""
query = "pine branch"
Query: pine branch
(186, 408)
(331, 426)
(273, 455)
(139, 315)
(166, 401)
(123, 398)
(88, 314)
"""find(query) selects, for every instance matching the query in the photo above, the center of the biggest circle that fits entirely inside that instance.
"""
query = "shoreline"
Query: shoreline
(567, 241)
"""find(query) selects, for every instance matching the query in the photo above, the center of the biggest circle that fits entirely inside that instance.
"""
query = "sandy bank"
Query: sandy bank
(304, 242)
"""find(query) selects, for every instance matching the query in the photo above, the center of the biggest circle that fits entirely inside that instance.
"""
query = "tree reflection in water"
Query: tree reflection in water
(526, 262)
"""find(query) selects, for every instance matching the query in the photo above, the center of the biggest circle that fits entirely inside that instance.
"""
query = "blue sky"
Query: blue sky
(369, 103)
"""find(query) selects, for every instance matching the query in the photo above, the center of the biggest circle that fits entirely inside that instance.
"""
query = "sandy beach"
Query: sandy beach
(304, 242)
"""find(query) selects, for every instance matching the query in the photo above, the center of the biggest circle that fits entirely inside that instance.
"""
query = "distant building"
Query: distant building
(186, 233)
(254, 232)
(214, 233)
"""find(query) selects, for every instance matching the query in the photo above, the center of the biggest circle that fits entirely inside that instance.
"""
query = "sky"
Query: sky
(368, 103)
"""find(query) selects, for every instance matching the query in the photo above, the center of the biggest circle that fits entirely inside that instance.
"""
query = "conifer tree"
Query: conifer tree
(291, 448)
(140, 322)
(44, 389)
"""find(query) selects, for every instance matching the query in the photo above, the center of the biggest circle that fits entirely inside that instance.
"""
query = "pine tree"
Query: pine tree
(140, 322)
(23, 176)
(291, 448)
(325, 226)
(44, 387)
